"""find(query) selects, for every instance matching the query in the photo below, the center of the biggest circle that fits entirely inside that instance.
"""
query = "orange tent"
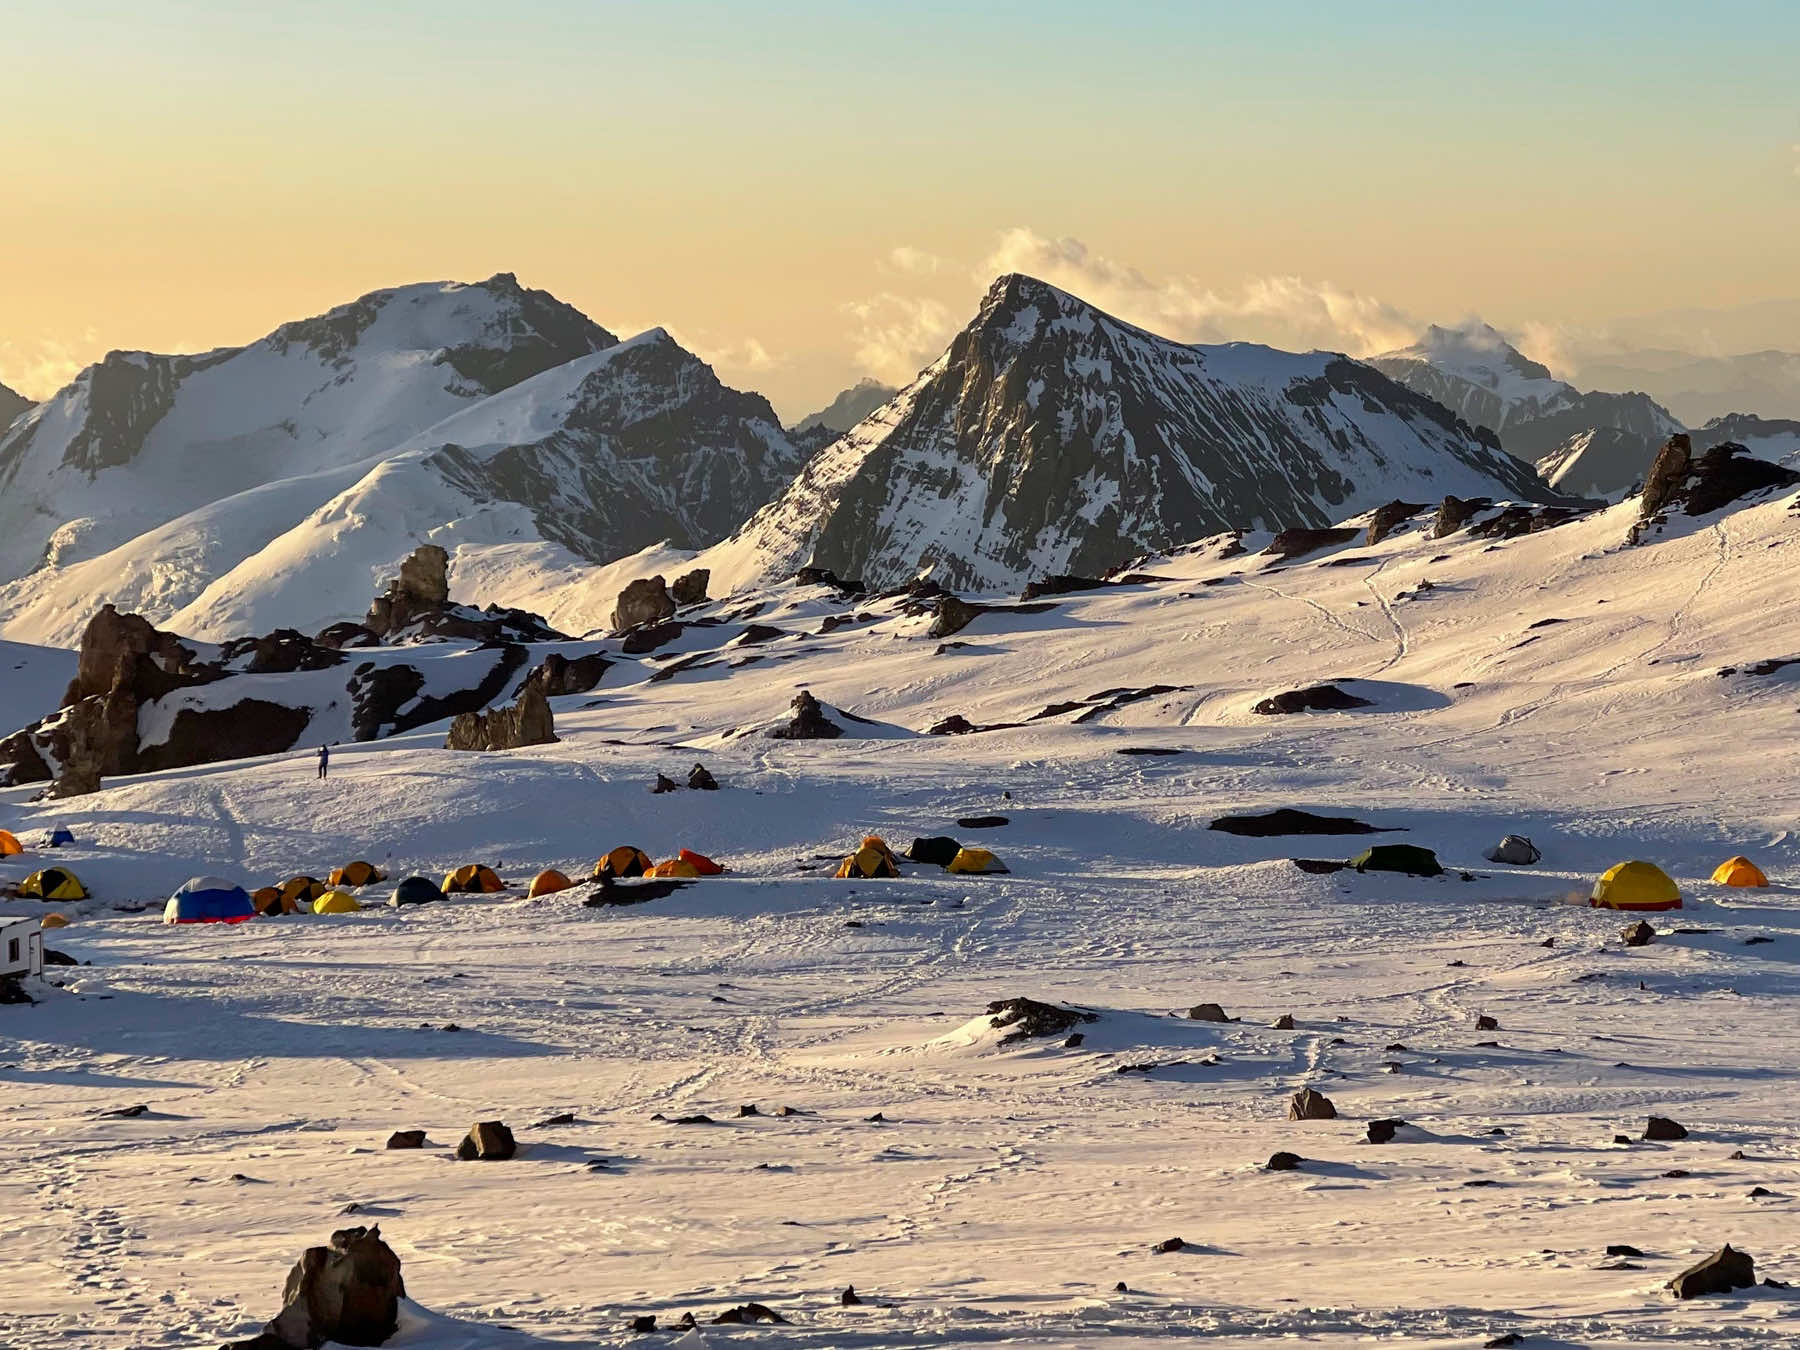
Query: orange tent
(9, 845)
(702, 865)
(1739, 871)
(624, 861)
(548, 882)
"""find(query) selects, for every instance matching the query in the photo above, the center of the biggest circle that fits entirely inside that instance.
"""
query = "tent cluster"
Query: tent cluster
(873, 858)
(309, 895)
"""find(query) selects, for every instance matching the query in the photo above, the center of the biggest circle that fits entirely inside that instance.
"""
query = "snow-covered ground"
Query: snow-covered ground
(1007, 1191)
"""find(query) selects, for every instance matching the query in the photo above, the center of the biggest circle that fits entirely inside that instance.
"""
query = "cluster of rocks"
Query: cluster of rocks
(808, 723)
(651, 600)
(1680, 480)
(528, 721)
(699, 779)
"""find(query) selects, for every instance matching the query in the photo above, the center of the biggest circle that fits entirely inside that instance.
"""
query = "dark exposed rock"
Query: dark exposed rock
(644, 601)
(282, 652)
(749, 1312)
(1286, 820)
(952, 616)
(1454, 513)
(1283, 1023)
(158, 662)
(1060, 585)
(1173, 1244)
(422, 587)
(1383, 1131)
(1639, 934)
(954, 725)
(1298, 542)
(487, 1141)
(1207, 1012)
(848, 1298)
(558, 676)
(643, 1324)
(247, 728)
(347, 634)
(389, 700)
(406, 1139)
(527, 722)
(348, 1294)
(12, 991)
(649, 636)
(1284, 1162)
(1622, 1249)
(808, 723)
(1485, 1023)
(701, 780)
(1383, 522)
(1503, 1341)
(824, 576)
(1028, 1019)
(1515, 521)
(1721, 1273)
(690, 587)
(1314, 698)
(1306, 1104)
(1664, 1130)
(982, 822)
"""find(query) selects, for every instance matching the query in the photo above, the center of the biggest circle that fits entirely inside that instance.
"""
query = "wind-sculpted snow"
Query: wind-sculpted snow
(1052, 438)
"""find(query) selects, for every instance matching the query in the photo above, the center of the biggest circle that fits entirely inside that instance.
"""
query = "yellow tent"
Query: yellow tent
(674, 867)
(9, 844)
(336, 902)
(1635, 885)
(356, 874)
(624, 861)
(53, 883)
(1739, 871)
(873, 859)
(54, 921)
(974, 861)
(548, 883)
(267, 900)
(472, 878)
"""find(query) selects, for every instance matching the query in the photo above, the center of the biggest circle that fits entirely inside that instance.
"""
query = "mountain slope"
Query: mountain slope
(1539, 418)
(849, 407)
(140, 439)
(12, 405)
(482, 418)
(1052, 437)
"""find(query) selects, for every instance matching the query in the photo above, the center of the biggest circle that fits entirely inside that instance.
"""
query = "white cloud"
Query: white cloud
(40, 368)
(912, 262)
(1283, 311)
(898, 335)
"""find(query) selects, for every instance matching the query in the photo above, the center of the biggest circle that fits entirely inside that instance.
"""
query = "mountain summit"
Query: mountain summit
(1052, 437)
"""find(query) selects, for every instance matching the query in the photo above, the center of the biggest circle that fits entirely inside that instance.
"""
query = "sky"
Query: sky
(807, 193)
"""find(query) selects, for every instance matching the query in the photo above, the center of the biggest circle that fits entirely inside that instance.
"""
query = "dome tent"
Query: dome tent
(472, 878)
(674, 867)
(1410, 859)
(702, 864)
(415, 891)
(53, 883)
(975, 862)
(61, 835)
(1739, 871)
(356, 874)
(293, 896)
(9, 844)
(209, 900)
(548, 882)
(1635, 886)
(873, 859)
(336, 902)
(624, 861)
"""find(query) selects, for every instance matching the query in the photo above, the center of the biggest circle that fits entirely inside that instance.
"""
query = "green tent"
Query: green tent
(1407, 858)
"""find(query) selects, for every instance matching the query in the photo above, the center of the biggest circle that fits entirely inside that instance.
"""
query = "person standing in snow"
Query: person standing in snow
(324, 759)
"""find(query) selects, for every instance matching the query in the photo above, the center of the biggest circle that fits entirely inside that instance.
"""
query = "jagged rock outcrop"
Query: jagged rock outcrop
(422, 587)
(347, 1293)
(111, 638)
(644, 601)
(808, 723)
(1681, 481)
(1386, 519)
(1454, 513)
(559, 675)
(690, 587)
(526, 722)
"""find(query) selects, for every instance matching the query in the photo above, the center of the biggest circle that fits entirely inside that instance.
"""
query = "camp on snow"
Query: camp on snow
(1516, 850)
(624, 861)
(1408, 858)
(975, 862)
(1739, 871)
(472, 879)
(548, 882)
(674, 867)
(356, 874)
(415, 891)
(209, 900)
(53, 883)
(1635, 886)
(873, 859)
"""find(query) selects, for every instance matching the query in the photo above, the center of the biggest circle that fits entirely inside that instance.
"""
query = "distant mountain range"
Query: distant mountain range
(1698, 389)
(1053, 438)
(277, 484)
(848, 408)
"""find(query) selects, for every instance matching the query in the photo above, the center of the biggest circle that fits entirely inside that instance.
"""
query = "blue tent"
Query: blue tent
(209, 900)
(61, 835)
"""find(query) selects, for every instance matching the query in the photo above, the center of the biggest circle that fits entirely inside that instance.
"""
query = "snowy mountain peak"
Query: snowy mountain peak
(1473, 370)
(1053, 438)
